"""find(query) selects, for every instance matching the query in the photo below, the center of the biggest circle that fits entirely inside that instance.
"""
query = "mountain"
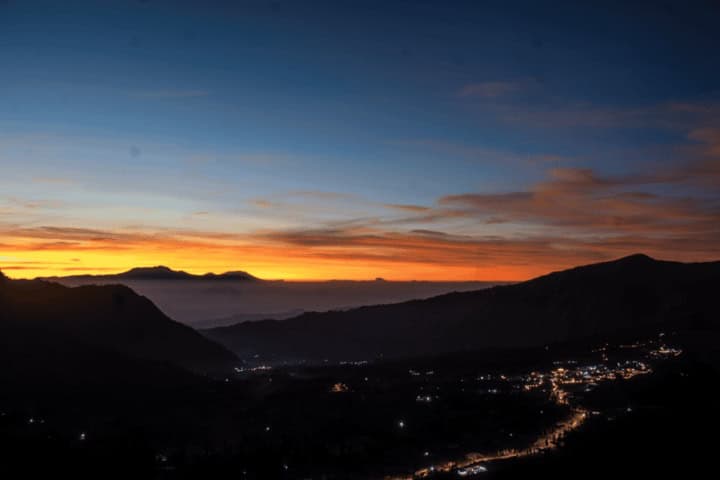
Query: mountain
(111, 318)
(158, 273)
(246, 317)
(205, 301)
(630, 293)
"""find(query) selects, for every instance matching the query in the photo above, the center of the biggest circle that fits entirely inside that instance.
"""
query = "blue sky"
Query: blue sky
(274, 119)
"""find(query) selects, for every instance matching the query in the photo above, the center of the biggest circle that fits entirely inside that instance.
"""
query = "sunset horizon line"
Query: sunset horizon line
(12, 272)
(15, 272)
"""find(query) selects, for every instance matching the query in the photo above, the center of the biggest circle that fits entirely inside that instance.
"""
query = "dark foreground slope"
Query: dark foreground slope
(38, 316)
(599, 299)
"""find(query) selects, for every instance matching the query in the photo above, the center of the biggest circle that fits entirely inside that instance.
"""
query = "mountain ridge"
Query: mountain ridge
(636, 291)
(108, 317)
(159, 272)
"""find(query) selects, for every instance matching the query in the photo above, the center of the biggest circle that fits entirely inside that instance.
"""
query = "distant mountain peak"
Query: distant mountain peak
(162, 272)
(158, 272)
(637, 257)
(156, 269)
(234, 274)
(161, 268)
(633, 265)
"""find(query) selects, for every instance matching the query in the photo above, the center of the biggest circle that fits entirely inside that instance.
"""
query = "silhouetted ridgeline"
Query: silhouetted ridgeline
(206, 301)
(604, 298)
(158, 273)
(39, 315)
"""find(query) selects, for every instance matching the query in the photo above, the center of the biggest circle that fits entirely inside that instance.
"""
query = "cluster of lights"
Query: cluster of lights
(473, 470)
(665, 352)
(339, 388)
(354, 363)
(556, 381)
(259, 368)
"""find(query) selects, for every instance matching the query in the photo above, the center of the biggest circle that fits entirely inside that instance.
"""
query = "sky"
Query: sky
(313, 140)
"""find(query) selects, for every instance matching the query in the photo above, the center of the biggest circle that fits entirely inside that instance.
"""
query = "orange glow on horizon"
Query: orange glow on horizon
(266, 262)
(392, 256)
(289, 269)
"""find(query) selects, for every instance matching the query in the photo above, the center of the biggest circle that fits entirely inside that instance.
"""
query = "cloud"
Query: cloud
(434, 233)
(536, 254)
(705, 163)
(53, 180)
(262, 203)
(695, 163)
(580, 215)
(406, 208)
(579, 201)
(49, 237)
(572, 215)
(13, 206)
(322, 195)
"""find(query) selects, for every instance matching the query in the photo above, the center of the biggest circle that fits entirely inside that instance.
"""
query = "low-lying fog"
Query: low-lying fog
(204, 304)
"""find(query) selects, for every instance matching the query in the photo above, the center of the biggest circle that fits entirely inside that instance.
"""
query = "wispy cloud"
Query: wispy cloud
(23, 206)
(580, 202)
(570, 215)
(54, 180)
(407, 208)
